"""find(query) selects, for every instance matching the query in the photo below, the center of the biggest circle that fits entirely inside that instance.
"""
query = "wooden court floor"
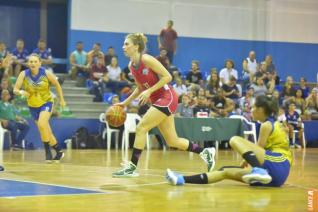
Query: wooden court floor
(91, 170)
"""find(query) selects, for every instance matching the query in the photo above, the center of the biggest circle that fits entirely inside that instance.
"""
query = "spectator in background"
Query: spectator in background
(168, 39)
(312, 104)
(3, 50)
(246, 103)
(259, 87)
(5, 67)
(163, 59)
(282, 119)
(128, 76)
(78, 61)
(277, 97)
(97, 73)
(184, 109)
(92, 56)
(213, 82)
(304, 88)
(270, 82)
(20, 55)
(288, 90)
(201, 110)
(192, 97)
(179, 87)
(251, 68)
(231, 90)
(294, 123)
(5, 85)
(245, 74)
(5, 64)
(270, 67)
(98, 70)
(114, 69)
(299, 102)
(201, 92)
(17, 125)
(116, 83)
(45, 55)
(194, 75)
(262, 71)
(221, 106)
(228, 71)
(108, 56)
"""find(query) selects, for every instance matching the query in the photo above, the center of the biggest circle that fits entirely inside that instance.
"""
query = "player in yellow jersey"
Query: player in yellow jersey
(36, 82)
(269, 159)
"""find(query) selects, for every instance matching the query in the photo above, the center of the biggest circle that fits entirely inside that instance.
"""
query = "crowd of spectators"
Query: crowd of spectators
(202, 93)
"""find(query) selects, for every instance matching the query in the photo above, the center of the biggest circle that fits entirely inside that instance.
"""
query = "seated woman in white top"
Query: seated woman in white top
(116, 82)
(114, 70)
(228, 71)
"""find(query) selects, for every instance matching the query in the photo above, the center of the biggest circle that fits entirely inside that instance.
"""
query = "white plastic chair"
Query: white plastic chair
(250, 124)
(109, 131)
(2, 134)
(296, 132)
(130, 127)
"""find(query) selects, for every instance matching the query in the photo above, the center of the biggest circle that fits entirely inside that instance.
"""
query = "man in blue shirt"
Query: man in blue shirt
(20, 55)
(78, 60)
(45, 55)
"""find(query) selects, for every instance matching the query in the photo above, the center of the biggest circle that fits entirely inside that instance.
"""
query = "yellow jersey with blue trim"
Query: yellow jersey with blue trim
(278, 142)
(38, 87)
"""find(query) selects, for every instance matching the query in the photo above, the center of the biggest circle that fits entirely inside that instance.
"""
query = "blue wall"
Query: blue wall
(19, 19)
(296, 59)
(63, 129)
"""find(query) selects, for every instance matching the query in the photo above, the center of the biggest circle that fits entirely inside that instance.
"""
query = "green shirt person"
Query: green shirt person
(18, 126)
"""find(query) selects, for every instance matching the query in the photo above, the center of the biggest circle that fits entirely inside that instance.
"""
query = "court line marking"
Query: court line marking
(55, 195)
(52, 184)
(104, 167)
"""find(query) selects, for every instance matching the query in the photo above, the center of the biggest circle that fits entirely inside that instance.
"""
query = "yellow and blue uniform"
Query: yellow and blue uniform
(278, 157)
(38, 87)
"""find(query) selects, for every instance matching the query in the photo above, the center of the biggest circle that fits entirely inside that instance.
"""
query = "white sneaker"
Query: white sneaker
(128, 170)
(208, 155)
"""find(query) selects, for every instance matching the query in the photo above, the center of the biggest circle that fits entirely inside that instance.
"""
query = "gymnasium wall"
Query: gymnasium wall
(21, 19)
(209, 30)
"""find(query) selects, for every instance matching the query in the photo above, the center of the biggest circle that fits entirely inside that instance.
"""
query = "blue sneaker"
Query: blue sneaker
(258, 175)
(174, 178)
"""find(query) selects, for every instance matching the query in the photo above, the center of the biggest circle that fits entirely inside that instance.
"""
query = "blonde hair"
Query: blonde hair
(138, 39)
(35, 55)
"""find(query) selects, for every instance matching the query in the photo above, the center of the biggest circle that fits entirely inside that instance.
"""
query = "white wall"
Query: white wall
(271, 20)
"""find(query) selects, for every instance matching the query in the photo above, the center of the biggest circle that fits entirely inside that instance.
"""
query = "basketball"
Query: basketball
(115, 116)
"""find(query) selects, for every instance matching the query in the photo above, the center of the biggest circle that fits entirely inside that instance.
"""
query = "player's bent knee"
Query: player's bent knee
(141, 128)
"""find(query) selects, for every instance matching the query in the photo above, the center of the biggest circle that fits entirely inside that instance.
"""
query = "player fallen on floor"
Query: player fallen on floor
(269, 160)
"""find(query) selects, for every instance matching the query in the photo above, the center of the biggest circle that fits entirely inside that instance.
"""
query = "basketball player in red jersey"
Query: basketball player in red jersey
(152, 80)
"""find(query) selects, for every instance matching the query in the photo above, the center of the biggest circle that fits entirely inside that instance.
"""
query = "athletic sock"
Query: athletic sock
(197, 179)
(47, 147)
(135, 155)
(250, 157)
(194, 148)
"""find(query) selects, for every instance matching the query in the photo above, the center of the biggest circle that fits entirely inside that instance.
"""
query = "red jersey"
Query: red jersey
(146, 78)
